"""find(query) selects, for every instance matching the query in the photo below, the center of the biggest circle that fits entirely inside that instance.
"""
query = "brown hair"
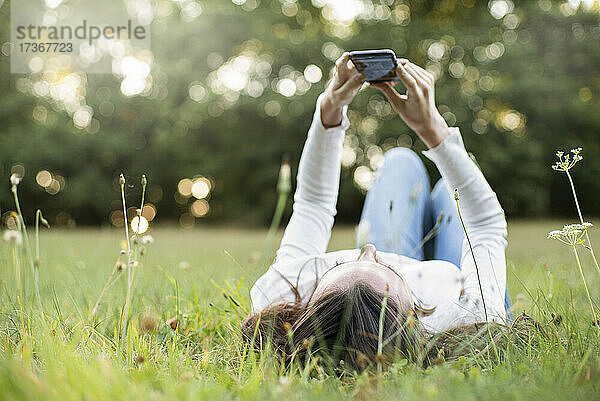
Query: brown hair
(365, 328)
(358, 326)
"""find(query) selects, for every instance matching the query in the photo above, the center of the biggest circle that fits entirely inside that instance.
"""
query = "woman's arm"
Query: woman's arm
(482, 214)
(309, 228)
(486, 226)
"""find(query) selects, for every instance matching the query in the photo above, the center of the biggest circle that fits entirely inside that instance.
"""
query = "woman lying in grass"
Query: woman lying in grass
(366, 305)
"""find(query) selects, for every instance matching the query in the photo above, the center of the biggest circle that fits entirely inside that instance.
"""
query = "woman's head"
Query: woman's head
(361, 312)
(369, 270)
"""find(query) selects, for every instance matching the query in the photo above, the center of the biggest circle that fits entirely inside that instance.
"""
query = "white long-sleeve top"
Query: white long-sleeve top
(455, 293)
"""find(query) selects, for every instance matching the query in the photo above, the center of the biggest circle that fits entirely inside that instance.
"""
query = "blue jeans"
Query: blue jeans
(402, 216)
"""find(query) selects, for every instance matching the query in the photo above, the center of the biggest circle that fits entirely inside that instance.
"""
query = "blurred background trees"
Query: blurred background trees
(229, 87)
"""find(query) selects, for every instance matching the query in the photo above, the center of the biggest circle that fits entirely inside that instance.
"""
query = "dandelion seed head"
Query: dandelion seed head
(12, 237)
(147, 239)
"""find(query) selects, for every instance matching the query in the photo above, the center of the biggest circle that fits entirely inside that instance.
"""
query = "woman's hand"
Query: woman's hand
(343, 87)
(416, 107)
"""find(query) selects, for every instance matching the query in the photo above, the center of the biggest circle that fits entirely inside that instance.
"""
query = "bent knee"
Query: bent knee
(402, 157)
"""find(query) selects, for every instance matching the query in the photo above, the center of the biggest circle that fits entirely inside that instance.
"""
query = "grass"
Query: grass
(201, 279)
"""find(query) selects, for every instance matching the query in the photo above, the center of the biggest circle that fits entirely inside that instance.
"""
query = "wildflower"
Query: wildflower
(139, 359)
(147, 239)
(571, 234)
(134, 263)
(120, 265)
(12, 237)
(565, 162)
(15, 179)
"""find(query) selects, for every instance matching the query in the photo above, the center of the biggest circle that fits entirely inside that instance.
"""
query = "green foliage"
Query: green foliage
(519, 87)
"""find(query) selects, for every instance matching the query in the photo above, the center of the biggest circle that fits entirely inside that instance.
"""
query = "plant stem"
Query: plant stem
(36, 263)
(380, 336)
(109, 283)
(587, 237)
(586, 287)
(17, 265)
(125, 319)
(26, 241)
(283, 189)
(281, 201)
(472, 253)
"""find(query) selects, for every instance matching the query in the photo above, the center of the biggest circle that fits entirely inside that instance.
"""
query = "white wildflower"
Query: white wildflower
(554, 234)
(12, 237)
(147, 239)
(571, 234)
(565, 162)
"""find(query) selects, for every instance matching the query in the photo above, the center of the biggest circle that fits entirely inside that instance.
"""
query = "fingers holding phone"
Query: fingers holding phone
(345, 84)
(346, 81)
(416, 107)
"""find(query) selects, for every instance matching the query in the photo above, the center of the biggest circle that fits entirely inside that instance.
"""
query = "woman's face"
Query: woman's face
(367, 269)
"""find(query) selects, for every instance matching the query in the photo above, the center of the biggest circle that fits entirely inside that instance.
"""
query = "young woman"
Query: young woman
(363, 304)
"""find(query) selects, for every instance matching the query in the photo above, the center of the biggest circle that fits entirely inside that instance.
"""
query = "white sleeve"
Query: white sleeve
(486, 227)
(309, 228)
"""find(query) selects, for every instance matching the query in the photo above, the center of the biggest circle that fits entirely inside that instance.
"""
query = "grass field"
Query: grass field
(65, 354)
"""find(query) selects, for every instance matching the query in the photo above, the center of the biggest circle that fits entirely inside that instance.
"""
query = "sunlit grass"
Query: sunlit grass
(184, 276)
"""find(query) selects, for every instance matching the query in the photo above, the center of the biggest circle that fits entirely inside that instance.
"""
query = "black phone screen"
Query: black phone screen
(376, 66)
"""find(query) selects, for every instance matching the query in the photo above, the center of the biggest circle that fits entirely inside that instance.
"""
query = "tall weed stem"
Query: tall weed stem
(125, 317)
(587, 236)
(587, 292)
(15, 182)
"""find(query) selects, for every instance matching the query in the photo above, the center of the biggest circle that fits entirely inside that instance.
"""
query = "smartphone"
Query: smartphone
(377, 65)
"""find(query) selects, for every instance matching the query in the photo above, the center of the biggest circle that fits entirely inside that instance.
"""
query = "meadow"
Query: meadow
(191, 292)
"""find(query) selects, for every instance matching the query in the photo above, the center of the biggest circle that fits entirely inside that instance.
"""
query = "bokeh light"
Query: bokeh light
(201, 188)
(200, 208)
(185, 187)
(139, 224)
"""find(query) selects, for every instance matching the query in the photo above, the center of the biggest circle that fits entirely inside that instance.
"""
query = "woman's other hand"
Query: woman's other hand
(416, 107)
(345, 84)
